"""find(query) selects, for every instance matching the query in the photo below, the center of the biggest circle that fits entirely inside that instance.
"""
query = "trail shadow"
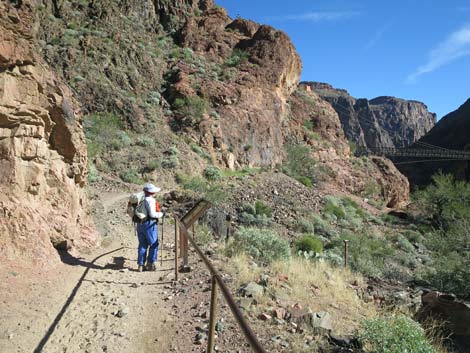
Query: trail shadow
(118, 263)
(140, 284)
(71, 260)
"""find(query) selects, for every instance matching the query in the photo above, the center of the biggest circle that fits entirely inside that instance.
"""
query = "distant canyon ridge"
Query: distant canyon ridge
(380, 122)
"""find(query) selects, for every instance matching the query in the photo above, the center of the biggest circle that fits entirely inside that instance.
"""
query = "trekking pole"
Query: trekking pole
(163, 244)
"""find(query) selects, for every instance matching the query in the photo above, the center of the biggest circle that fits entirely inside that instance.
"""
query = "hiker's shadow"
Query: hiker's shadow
(69, 259)
(117, 264)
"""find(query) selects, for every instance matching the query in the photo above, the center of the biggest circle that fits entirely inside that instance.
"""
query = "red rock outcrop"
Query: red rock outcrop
(43, 162)
(251, 100)
(316, 123)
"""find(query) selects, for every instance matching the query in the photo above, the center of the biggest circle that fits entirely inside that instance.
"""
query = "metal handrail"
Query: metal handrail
(217, 280)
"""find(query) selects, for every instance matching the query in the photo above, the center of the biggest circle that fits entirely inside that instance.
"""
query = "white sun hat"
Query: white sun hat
(150, 188)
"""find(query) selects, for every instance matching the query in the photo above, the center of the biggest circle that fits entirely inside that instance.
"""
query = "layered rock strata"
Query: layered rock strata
(43, 162)
(379, 122)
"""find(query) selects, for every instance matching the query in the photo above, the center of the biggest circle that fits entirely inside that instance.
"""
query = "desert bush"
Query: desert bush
(344, 210)
(445, 200)
(200, 151)
(93, 173)
(204, 234)
(103, 132)
(211, 191)
(393, 334)
(130, 176)
(404, 244)
(308, 243)
(170, 162)
(212, 173)
(258, 214)
(152, 165)
(192, 107)
(238, 57)
(263, 245)
(173, 151)
(305, 225)
(447, 203)
(262, 209)
(300, 165)
(145, 141)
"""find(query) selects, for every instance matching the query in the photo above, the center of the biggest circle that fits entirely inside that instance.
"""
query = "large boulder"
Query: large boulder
(43, 161)
(454, 314)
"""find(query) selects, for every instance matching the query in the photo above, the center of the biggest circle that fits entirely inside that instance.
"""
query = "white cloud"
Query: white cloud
(316, 16)
(456, 46)
(377, 36)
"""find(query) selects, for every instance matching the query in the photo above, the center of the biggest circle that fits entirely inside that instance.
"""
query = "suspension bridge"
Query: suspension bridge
(428, 153)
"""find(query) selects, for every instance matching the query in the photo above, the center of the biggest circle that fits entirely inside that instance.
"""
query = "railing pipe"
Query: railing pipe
(177, 235)
(249, 334)
(213, 318)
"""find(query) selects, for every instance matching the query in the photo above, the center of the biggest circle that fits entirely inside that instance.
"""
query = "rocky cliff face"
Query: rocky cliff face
(225, 85)
(315, 123)
(380, 122)
(449, 132)
(43, 163)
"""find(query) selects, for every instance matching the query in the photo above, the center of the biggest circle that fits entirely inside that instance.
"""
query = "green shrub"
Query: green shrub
(309, 243)
(173, 151)
(262, 209)
(211, 191)
(170, 162)
(212, 173)
(145, 141)
(130, 176)
(304, 225)
(193, 107)
(404, 244)
(104, 131)
(93, 173)
(238, 57)
(300, 165)
(393, 334)
(152, 165)
(335, 210)
(304, 180)
(263, 245)
(258, 214)
(200, 151)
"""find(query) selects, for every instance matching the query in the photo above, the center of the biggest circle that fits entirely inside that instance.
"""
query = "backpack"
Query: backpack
(136, 207)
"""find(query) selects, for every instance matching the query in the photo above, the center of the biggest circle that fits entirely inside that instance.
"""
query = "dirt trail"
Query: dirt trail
(96, 303)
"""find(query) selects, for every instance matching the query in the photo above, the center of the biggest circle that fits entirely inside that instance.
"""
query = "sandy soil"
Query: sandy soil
(98, 302)
(94, 303)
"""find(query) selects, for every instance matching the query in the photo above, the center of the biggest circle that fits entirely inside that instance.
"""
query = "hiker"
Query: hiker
(147, 230)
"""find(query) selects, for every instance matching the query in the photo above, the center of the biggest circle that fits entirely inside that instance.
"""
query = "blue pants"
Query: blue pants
(147, 233)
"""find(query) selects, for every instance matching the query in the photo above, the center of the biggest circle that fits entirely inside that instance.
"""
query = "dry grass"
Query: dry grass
(321, 287)
(316, 285)
(242, 269)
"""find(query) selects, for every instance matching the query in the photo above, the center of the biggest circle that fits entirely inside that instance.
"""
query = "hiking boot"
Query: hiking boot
(140, 268)
(151, 267)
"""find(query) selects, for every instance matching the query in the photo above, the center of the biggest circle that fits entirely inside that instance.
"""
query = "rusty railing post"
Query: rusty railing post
(181, 244)
(212, 318)
(177, 235)
(186, 252)
(346, 252)
(194, 232)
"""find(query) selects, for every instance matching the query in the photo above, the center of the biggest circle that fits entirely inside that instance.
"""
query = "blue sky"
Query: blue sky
(405, 48)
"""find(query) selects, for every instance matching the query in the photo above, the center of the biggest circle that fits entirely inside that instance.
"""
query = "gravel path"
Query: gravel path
(94, 303)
